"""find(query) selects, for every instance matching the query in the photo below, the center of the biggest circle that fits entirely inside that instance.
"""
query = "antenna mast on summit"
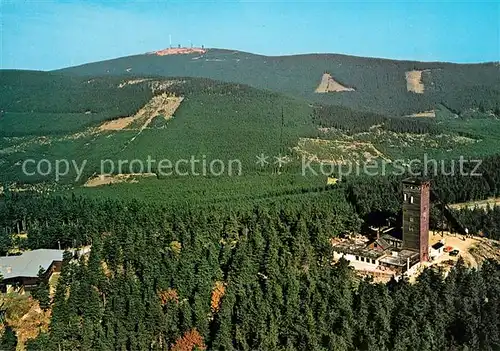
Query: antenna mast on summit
(170, 40)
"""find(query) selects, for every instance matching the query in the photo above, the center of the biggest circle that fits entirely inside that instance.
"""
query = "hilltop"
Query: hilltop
(392, 87)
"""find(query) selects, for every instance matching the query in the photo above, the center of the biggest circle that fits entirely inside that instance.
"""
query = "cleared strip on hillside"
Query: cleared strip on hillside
(116, 178)
(154, 85)
(163, 104)
(132, 82)
(414, 81)
(424, 114)
(336, 151)
(328, 85)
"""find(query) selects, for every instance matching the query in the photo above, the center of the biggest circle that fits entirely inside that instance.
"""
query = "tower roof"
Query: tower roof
(415, 181)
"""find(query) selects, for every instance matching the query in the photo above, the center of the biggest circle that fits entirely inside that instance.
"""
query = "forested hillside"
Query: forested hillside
(343, 208)
(42, 103)
(247, 278)
(269, 290)
(57, 116)
(250, 274)
(379, 84)
(58, 219)
(216, 120)
(353, 121)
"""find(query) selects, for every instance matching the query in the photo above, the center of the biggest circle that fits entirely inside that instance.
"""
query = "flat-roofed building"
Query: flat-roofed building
(359, 255)
(437, 250)
(20, 273)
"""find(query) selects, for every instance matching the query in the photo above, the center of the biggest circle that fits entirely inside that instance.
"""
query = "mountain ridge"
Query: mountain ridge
(295, 55)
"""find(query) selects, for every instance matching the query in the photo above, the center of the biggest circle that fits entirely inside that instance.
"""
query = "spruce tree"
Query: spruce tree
(41, 291)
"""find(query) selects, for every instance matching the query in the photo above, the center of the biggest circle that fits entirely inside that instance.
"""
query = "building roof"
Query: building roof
(415, 181)
(28, 264)
(358, 250)
(400, 258)
(389, 237)
(437, 245)
(383, 243)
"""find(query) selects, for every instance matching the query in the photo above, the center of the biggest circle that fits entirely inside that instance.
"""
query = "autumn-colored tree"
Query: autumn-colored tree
(190, 341)
(168, 295)
(175, 247)
(217, 293)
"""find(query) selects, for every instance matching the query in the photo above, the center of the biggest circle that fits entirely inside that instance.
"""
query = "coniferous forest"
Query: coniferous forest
(256, 280)
(73, 220)
(202, 262)
(251, 276)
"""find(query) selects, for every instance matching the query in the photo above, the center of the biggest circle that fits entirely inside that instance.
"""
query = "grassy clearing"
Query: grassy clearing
(337, 151)
(393, 145)
(24, 315)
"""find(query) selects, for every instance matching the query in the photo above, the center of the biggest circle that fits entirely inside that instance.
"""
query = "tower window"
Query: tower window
(405, 197)
(411, 199)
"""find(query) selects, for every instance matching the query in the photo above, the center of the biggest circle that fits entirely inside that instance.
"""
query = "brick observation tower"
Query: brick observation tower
(416, 201)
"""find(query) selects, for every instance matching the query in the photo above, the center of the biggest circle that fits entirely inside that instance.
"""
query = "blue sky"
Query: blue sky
(49, 34)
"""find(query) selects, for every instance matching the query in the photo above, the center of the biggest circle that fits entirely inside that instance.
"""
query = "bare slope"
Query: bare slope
(163, 104)
(414, 82)
(328, 84)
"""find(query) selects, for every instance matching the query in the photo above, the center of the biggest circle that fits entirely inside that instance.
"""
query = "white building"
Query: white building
(437, 250)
